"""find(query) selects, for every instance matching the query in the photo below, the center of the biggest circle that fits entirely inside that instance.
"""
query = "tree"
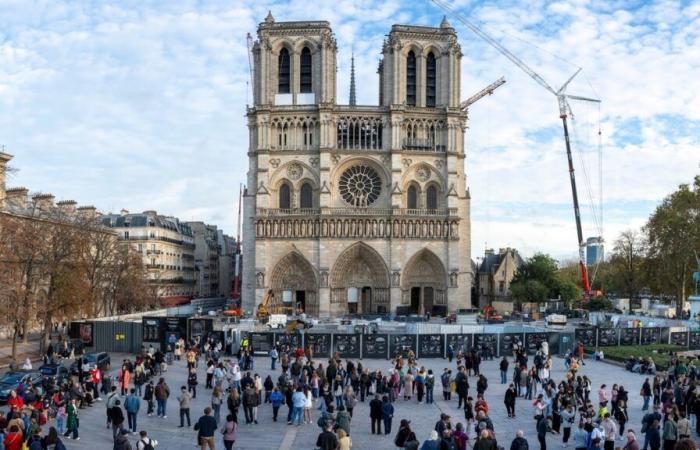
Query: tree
(673, 235)
(529, 291)
(627, 264)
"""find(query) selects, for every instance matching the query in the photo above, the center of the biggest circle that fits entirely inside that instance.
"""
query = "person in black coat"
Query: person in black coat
(509, 400)
(116, 415)
(375, 414)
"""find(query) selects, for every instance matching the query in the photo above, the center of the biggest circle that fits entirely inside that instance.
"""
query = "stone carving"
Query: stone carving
(406, 163)
(386, 159)
(313, 161)
(423, 173)
(335, 158)
(453, 279)
(275, 162)
(294, 171)
(324, 278)
(260, 280)
(395, 278)
(439, 163)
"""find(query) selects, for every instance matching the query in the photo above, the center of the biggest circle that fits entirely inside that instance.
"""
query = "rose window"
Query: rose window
(360, 185)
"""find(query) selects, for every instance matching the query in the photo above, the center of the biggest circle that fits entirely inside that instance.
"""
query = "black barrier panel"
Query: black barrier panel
(629, 336)
(151, 329)
(198, 329)
(400, 344)
(607, 337)
(459, 342)
(431, 345)
(347, 345)
(505, 345)
(486, 342)
(694, 340)
(665, 335)
(375, 345)
(284, 339)
(586, 336)
(261, 342)
(319, 344)
(534, 341)
(651, 335)
(174, 328)
(679, 338)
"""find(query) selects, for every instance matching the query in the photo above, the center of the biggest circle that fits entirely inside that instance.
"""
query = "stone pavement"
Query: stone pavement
(269, 435)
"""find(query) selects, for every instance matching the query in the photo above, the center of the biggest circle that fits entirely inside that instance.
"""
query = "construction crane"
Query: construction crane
(235, 309)
(488, 90)
(564, 110)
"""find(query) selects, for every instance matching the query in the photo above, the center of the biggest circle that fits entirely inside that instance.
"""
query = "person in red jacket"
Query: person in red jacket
(15, 401)
(14, 439)
(96, 376)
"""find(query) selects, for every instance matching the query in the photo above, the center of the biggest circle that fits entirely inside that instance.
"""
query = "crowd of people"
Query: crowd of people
(327, 392)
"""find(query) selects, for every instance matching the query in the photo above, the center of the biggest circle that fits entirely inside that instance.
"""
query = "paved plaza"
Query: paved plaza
(278, 435)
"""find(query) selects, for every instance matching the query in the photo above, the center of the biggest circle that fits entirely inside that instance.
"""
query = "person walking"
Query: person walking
(206, 427)
(121, 442)
(387, 415)
(250, 403)
(229, 431)
(132, 404)
(72, 420)
(185, 400)
(509, 400)
(375, 414)
(217, 399)
(162, 392)
(117, 416)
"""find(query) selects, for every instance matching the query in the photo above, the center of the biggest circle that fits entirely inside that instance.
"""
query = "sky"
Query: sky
(141, 104)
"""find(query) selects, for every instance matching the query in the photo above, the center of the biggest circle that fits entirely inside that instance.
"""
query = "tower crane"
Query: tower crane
(251, 67)
(488, 90)
(564, 110)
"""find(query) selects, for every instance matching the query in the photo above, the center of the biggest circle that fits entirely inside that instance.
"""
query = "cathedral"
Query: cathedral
(356, 209)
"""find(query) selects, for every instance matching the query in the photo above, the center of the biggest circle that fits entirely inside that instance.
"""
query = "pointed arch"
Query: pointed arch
(424, 282)
(430, 80)
(283, 71)
(305, 71)
(359, 281)
(411, 81)
(294, 274)
(285, 196)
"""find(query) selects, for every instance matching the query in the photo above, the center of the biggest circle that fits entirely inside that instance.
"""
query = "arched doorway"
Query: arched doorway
(424, 284)
(359, 282)
(294, 285)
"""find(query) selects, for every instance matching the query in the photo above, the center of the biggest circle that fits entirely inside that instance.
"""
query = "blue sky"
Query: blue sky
(140, 105)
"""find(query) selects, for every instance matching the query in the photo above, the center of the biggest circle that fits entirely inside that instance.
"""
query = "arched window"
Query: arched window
(285, 197)
(411, 79)
(412, 198)
(305, 71)
(431, 198)
(430, 80)
(307, 199)
(283, 72)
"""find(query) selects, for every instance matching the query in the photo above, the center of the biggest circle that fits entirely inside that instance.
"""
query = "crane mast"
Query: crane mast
(564, 108)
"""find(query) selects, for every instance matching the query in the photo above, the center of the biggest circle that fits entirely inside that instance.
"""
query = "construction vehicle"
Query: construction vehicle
(233, 308)
(297, 325)
(491, 315)
(263, 311)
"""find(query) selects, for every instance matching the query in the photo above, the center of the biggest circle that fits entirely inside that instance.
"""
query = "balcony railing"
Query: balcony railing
(424, 145)
(271, 212)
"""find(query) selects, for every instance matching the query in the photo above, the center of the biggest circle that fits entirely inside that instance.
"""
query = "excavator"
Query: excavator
(491, 315)
(263, 311)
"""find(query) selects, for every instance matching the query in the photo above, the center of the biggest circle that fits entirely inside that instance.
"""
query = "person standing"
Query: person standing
(568, 415)
(117, 419)
(229, 431)
(162, 392)
(387, 415)
(206, 427)
(581, 437)
(327, 440)
(645, 392)
(609, 432)
(519, 443)
(429, 387)
(185, 400)
(276, 398)
(273, 358)
(653, 436)
(149, 395)
(72, 420)
(509, 400)
(132, 404)
(621, 416)
(683, 426)
(375, 414)
(544, 426)
(192, 382)
(217, 398)
(504, 369)
(632, 443)
(670, 433)
(298, 402)
(462, 386)
(145, 442)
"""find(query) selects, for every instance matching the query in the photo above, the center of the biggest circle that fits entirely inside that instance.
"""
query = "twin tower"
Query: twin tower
(354, 209)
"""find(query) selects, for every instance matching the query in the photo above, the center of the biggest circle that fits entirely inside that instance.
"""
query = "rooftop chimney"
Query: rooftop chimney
(489, 252)
(17, 198)
(124, 212)
(67, 206)
(4, 159)
(88, 211)
(43, 202)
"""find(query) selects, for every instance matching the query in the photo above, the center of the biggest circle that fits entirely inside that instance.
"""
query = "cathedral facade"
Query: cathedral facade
(354, 209)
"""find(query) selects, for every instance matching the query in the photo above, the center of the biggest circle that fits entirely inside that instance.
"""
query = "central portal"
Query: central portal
(359, 282)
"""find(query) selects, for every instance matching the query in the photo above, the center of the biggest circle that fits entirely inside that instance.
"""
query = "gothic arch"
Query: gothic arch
(360, 269)
(295, 274)
(281, 174)
(305, 42)
(412, 175)
(424, 282)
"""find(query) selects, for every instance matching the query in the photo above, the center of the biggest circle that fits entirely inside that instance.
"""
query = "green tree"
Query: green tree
(529, 291)
(673, 234)
(627, 273)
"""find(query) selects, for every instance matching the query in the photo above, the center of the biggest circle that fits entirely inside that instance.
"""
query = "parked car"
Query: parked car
(99, 359)
(54, 373)
(11, 381)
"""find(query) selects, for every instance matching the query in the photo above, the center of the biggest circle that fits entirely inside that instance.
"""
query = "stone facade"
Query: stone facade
(496, 272)
(356, 209)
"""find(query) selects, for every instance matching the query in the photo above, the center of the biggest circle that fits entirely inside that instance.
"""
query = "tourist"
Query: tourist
(343, 419)
(233, 402)
(462, 386)
(375, 414)
(509, 400)
(51, 441)
(149, 396)
(327, 440)
(349, 399)
(433, 443)
(344, 442)
(229, 431)
(162, 392)
(429, 387)
(443, 424)
(670, 432)
(250, 405)
(631, 443)
(646, 394)
(192, 382)
(185, 400)
(206, 427)
(132, 404)
(544, 426)
(276, 399)
(653, 436)
(387, 415)
(298, 401)
(117, 417)
(621, 414)
(145, 442)
(402, 434)
(683, 426)
(446, 381)
(460, 437)
(485, 441)
(503, 366)
(609, 431)
(581, 436)
(519, 443)
(217, 399)
(121, 441)
(568, 415)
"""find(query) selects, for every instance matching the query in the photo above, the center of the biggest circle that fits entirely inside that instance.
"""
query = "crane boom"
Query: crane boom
(251, 67)
(488, 90)
(564, 108)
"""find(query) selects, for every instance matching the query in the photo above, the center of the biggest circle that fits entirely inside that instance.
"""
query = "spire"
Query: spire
(445, 23)
(269, 18)
(353, 100)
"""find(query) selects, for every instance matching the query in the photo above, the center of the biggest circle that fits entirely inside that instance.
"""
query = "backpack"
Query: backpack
(147, 445)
